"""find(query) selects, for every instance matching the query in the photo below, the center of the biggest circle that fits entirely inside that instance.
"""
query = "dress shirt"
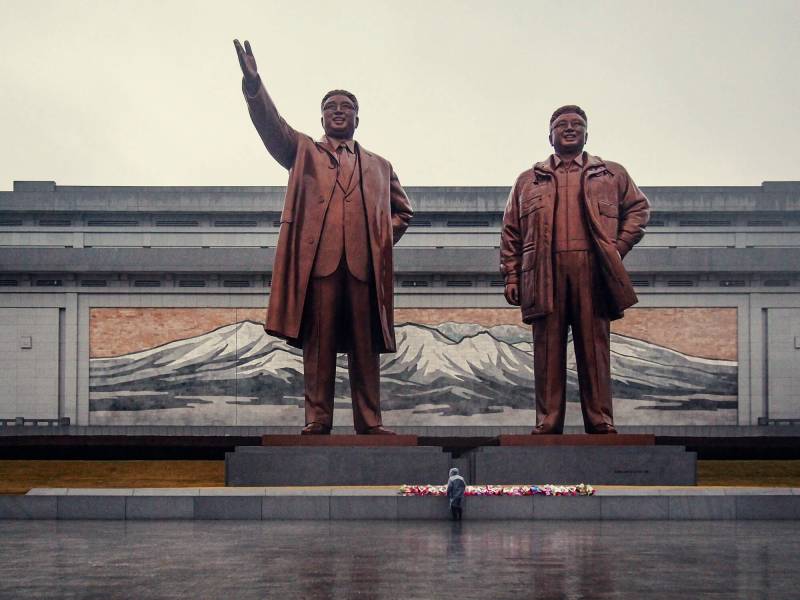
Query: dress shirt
(571, 230)
(346, 162)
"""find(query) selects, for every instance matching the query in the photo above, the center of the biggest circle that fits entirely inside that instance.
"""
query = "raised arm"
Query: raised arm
(278, 137)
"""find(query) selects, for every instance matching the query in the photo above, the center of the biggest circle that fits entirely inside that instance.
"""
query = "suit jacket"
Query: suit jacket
(616, 212)
(308, 193)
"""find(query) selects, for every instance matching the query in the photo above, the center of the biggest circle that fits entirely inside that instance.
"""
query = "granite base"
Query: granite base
(541, 464)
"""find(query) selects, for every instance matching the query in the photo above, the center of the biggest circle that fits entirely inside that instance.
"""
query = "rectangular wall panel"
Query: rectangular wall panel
(783, 362)
(29, 367)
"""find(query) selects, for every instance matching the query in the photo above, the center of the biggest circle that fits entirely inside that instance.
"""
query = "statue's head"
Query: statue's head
(569, 129)
(339, 114)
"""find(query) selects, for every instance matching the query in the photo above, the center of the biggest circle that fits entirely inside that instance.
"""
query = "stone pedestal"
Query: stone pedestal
(394, 460)
(596, 465)
(335, 465)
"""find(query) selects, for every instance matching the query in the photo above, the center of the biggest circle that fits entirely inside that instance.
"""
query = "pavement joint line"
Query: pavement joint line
(247, 490)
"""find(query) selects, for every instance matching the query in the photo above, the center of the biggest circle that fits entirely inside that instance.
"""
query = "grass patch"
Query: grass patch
(758, 473)
(19, 476)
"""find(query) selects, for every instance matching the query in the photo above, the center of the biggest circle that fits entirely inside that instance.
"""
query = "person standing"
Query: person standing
(456, 488)
(332, 280)
(568, 223)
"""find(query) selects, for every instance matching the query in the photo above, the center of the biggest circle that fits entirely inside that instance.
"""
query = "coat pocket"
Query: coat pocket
(528, 258)
(527, 295)
(530, 204)
(608, 209)
(609, 218)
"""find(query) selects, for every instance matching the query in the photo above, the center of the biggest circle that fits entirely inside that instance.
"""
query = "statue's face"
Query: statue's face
(568, 133)
(339, 117)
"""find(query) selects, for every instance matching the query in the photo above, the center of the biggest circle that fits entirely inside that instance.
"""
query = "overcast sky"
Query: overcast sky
(141, 92)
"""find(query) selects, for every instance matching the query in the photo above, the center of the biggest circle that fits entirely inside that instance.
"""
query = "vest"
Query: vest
(344, 231)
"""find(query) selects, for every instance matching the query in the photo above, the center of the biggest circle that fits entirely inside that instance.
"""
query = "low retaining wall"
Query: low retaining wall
(650, 503)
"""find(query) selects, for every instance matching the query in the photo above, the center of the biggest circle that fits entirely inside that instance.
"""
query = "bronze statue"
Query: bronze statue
(568, 223)
(333, 281)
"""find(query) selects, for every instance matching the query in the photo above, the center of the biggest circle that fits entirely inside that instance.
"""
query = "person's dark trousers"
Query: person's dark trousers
(577, 304)
(339, 308)
(456, 513)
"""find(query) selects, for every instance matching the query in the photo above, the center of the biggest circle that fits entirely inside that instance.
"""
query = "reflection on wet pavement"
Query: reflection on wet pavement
(233, 560)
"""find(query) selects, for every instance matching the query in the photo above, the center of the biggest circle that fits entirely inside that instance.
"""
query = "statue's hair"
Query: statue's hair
(568, 108)
(350, 95)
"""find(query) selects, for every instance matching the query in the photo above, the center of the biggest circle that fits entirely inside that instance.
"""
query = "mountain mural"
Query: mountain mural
(450, 369)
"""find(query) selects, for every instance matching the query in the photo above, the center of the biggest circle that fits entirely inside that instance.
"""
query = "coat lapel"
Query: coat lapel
(366, 158)
(366, 162)
(592, 166)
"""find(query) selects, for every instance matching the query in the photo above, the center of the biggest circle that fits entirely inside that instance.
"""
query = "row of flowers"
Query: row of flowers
(582, 489)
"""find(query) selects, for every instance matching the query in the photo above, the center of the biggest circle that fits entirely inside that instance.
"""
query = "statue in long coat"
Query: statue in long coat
(315, 178)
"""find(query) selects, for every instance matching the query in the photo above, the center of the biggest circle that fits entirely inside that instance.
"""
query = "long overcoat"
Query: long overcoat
(616, 212)
(312, 177)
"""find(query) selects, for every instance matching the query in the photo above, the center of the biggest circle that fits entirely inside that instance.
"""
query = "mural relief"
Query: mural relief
(210, 366)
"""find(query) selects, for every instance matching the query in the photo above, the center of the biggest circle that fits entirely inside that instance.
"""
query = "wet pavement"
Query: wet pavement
(310, 560)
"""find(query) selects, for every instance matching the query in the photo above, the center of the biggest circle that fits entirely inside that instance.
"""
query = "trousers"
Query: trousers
(579, 305)
(339, 314)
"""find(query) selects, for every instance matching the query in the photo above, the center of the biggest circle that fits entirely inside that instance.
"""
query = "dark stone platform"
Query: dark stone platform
(346, 441)
(159, 442)
(335, 465)
(391, 460)
(578, 440)
(593, 464)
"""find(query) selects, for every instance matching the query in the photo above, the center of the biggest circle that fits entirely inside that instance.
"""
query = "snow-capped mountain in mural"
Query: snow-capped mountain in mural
(461, 369)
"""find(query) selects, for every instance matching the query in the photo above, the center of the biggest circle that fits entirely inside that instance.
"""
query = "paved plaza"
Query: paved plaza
(310, 560)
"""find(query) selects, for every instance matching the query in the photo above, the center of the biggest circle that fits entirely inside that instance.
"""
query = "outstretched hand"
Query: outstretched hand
(246, 61)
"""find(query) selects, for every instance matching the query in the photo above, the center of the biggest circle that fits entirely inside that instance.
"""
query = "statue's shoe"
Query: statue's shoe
(315, 429)
(603, 428)
(539, 430)
(379, 430)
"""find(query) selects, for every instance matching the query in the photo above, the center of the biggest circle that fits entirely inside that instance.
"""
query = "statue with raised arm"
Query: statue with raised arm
(568, 223)
(332, 280)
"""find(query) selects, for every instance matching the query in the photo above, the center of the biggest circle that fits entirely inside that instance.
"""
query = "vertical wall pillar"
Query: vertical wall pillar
(82, 360)
(68, 389)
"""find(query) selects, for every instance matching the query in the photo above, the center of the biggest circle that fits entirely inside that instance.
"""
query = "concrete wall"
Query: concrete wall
(67, 250)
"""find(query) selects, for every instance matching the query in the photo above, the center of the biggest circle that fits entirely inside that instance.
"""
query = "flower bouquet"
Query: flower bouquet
(581, 489)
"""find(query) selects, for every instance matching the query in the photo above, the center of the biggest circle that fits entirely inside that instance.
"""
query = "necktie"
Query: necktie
(344, 176)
